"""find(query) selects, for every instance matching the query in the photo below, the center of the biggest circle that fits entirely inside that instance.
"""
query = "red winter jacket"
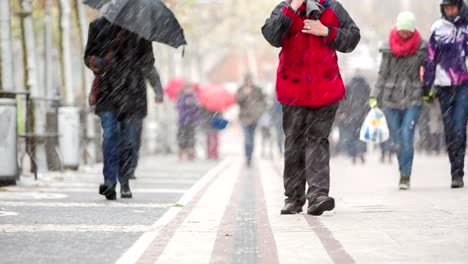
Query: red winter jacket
(308, 72)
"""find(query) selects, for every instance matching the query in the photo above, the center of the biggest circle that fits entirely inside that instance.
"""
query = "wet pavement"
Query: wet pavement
(222, 212)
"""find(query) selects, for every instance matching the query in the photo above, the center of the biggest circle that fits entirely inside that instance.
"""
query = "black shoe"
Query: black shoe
(133, 177)
(320, 205)
(404, 183)
(457, 183)
(291, 208)
(125, 192)
(108, 191)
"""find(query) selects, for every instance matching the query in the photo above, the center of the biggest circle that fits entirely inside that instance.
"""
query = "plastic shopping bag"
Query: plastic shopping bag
(375, 129)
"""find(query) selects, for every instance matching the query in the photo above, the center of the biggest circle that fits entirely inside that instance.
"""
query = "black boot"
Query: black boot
(457, 182)
(125, 192)
(291, 208)
(320, 205)
(108, 190)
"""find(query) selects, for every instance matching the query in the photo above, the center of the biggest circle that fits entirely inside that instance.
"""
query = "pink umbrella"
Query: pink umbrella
(215, 97)
(172, 89)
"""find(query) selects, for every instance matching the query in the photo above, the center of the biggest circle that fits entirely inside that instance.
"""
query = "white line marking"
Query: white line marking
(6, 213)
(35, 195)
(83, 190)
(199, 230)
(75, 228)
(71, 204)
(294, 238)
(139, 247)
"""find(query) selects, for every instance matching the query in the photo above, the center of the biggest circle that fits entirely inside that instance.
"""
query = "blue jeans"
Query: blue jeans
(402, 125)
(120, 146)
(249, 140)
(454, 107)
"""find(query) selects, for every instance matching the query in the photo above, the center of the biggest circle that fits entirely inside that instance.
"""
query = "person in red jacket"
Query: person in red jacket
(309, 86)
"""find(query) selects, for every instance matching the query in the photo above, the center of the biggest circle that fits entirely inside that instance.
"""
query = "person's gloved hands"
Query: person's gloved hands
(429, 97)
(373, 102)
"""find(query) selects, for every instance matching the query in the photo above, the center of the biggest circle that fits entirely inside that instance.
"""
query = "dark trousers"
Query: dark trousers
(307, 152)
(249, 140)
(120, 146)
(454, 107)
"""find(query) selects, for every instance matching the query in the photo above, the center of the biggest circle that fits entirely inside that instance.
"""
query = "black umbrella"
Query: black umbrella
(150, 19)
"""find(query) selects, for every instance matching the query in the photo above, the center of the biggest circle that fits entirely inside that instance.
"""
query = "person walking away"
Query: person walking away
(252, 104)
(446, 69)
(400, 87)
(121, 62)
(352, 112)
(309, 86)
(265, 123)
(188, 108)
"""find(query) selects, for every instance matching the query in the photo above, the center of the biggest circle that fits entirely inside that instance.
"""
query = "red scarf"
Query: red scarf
(404, 47)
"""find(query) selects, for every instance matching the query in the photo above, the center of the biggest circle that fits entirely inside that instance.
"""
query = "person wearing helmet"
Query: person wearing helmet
(446, 70)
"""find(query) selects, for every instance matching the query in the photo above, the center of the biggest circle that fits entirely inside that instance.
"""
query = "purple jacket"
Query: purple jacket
(188, 107)
(446, 63)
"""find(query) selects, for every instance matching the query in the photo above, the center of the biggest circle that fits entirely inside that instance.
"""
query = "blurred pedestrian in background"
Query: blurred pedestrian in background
(351, 114)
(252, 104)
(188, 108)
(446, 69)
(266, 124)
(211, 133)
(309, 86)
(400, 87)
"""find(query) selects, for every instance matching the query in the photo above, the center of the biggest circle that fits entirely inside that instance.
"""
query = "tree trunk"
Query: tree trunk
(65, 53)
(6, 66)
(36, 114)
(90, 130)
(48, 69)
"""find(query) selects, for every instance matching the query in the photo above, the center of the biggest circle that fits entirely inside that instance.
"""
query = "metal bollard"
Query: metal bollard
(8, 142)
(69, 136)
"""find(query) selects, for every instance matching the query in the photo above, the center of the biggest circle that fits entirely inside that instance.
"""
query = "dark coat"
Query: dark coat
(353, 110)
(399, 83)
(252, 106)
(122, 86)
(308, 72)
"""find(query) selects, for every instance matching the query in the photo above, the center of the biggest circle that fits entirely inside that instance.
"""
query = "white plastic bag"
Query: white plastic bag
(375, 129)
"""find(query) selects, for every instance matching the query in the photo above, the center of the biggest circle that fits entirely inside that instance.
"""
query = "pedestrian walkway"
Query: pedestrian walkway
(235, 218)
(222, 212)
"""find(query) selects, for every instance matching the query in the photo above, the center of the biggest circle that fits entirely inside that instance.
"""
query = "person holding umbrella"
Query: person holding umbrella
(119, 52)
(309, 86)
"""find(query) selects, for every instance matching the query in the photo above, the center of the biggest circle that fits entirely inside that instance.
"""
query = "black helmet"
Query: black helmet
(458, 3)
(451, 2)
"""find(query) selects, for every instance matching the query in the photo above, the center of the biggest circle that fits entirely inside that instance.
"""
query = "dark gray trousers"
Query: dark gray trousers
(307, 152)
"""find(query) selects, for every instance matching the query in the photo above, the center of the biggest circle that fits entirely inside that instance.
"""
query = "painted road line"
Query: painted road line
(223, 248)
(7, 213)
(86, 190)
(199, 230)
(92, 184)
(139, 247)
(76, 228)
(73, 204)
(295, 239)
(266, 240)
